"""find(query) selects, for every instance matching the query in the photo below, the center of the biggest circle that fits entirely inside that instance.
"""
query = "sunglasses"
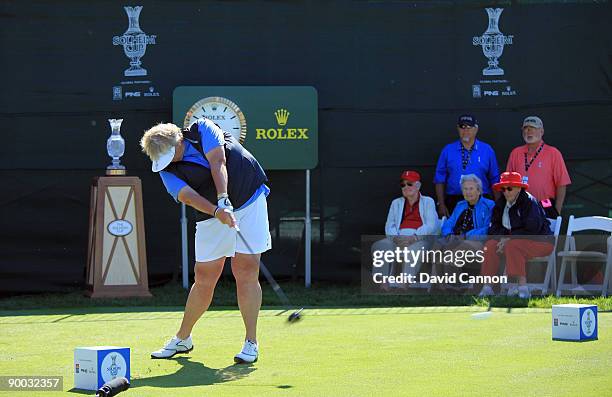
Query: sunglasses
(465, 126)
(403, 185)
(506, 189)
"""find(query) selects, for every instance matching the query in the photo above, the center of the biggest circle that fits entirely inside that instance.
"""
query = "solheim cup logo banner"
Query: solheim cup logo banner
(134, 42)
(493, 42)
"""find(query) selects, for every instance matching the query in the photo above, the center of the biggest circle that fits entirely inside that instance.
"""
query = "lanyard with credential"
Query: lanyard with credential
(528, 164)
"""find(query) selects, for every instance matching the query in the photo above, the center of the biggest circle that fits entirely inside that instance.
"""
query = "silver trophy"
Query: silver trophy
(492, 42)
(115, 146)
(134, 42)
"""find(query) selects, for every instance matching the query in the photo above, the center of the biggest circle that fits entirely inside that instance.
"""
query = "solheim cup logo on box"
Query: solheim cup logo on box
(113, 366)
(492, 42)
(134, 42)
(588, 322)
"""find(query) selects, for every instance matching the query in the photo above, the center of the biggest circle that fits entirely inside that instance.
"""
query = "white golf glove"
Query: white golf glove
(224, 202)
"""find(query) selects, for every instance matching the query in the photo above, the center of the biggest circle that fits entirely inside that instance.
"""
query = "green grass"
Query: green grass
(322, 294)
(418, 351)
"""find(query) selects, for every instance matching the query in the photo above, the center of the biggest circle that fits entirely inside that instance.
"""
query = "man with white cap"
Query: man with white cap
(542, 167)
(204, 167)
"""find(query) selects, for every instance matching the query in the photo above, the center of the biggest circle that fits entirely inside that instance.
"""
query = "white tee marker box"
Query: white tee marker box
(574, 322)
(96, 365)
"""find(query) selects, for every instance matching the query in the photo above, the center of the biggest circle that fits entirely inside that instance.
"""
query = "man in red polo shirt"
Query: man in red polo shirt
(410, 216)
(542, 167)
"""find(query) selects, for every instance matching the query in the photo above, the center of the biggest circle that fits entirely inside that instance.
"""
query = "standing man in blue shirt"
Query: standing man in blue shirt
(467, 155)
(204, 167)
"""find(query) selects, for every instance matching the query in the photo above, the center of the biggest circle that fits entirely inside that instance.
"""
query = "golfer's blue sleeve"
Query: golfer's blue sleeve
(173, 183)
(212, 136)
(442, 168)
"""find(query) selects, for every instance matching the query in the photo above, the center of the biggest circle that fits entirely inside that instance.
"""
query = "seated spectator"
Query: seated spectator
(471, 216)
(468, 223)
(410, 216)
(519, 216)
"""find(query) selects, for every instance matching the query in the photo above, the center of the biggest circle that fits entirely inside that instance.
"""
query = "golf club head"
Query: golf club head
(113, 387)
(295, 316)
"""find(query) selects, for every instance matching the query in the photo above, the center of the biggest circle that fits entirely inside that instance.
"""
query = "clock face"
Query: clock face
(221, 111)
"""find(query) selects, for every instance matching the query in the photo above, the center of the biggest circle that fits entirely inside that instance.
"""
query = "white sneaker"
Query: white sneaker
(486, 291)
(174, 346)
(523, 292)
(249, 353)
(513, 290)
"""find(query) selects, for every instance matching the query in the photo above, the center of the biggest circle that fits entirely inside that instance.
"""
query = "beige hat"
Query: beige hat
(533, 121)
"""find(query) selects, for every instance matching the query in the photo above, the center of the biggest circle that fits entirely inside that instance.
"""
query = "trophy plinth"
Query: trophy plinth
(115, 146)
(117, 172)
(117, 258)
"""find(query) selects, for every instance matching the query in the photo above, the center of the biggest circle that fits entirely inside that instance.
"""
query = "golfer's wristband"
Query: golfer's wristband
(222, 195)
(215, 213)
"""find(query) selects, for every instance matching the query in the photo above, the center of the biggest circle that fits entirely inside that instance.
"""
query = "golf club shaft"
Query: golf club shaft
(277, 289)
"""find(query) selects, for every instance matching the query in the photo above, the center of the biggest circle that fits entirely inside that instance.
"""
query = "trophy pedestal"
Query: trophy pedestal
(116, 259)
(115, 171)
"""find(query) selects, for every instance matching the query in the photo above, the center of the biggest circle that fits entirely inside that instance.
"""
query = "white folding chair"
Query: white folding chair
(550, 260)
(571, 256)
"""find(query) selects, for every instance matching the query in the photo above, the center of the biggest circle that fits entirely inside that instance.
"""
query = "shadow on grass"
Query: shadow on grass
(80, 391)
(196, 374)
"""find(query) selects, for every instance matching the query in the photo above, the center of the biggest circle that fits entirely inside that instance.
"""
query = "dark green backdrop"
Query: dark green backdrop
(391, 79)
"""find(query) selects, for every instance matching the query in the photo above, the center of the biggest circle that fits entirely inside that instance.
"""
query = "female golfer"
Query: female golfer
(207, 169)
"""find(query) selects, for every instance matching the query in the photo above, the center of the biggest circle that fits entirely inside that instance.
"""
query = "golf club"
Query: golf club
(296, 315)
(113, 387)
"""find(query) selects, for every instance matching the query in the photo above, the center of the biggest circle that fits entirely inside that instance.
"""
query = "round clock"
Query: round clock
(221, 111)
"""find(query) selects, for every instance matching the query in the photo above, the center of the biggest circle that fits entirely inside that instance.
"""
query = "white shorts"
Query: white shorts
(214, 240)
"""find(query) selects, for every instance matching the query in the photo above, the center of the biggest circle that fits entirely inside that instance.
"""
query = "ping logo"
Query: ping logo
(282, 115)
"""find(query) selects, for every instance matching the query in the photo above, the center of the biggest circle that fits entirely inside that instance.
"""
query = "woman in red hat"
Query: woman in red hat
(517, 218)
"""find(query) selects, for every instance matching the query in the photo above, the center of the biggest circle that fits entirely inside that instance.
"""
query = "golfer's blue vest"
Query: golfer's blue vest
(244, 174)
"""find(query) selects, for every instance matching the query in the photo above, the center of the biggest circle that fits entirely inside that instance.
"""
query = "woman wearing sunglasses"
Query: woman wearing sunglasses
(519, 230)
(466, 228)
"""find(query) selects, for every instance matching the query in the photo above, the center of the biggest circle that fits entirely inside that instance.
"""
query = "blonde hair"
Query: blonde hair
(159, 139)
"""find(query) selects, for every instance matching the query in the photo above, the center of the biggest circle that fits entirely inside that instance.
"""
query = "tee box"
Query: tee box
(96, 365)
(574, 322)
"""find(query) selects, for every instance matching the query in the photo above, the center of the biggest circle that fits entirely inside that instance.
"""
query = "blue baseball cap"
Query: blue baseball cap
(467, 119)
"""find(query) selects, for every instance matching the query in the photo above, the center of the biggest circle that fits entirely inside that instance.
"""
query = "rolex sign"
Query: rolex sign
(278, 125)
